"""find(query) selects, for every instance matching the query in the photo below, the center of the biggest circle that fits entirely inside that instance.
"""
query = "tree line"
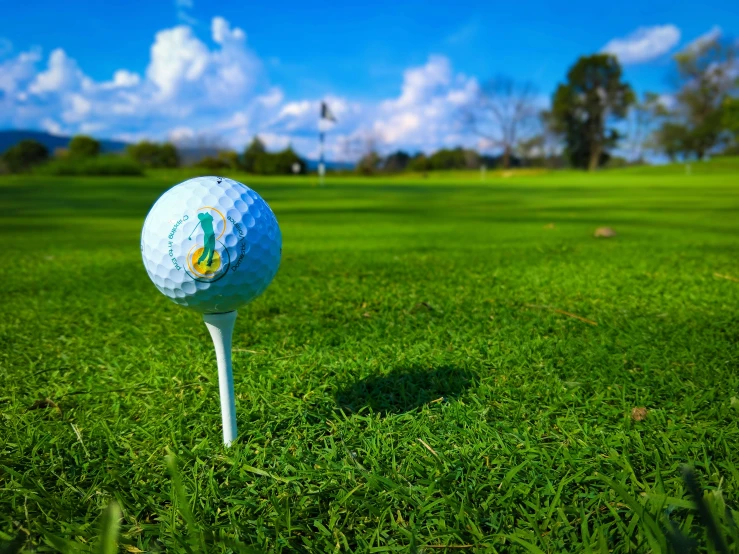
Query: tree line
(83, 156)
(594, 114)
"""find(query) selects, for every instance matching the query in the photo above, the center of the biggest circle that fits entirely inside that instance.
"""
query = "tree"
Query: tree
(419, 163)
(705, 79)
(151, 154)
(532, 150)
(457, 158)
(285, 160)
(731, 124)
(254, 154)
(396, 162)
(501, 113)
(257, 160)
(643, 115)
(24, 156)
(731, 116)
(369, 163)
(82, 146)
(226, 159)
(593, 96)
(230, 159)
(674, 140)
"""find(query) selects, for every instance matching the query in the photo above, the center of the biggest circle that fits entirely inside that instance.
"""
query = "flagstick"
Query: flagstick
(321, 166)
(221, 328)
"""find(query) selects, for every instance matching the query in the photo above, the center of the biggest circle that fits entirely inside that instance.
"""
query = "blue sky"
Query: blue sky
(396, 72)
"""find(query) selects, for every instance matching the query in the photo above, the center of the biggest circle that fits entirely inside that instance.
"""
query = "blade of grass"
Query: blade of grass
(654, 534)
(183, 504)
(110, 527)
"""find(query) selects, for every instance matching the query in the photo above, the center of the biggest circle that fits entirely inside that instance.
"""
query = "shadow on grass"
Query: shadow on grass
(404, 390)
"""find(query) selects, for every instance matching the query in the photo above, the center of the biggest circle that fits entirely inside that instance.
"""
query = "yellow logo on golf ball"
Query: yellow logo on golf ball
(199, 263)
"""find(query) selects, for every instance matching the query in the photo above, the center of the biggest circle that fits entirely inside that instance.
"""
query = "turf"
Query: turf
(439, 362)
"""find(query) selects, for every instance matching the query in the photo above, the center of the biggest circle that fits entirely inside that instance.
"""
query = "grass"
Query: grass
(414, 379)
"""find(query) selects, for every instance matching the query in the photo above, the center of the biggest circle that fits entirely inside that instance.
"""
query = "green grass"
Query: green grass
(410, 378)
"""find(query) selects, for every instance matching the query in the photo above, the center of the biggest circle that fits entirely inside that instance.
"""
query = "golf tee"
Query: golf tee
(221, 328)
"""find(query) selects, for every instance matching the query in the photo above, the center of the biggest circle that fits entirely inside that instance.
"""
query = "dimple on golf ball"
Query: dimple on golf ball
(211, 244)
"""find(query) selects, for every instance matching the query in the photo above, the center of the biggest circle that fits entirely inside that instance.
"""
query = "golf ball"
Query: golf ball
(211, 244)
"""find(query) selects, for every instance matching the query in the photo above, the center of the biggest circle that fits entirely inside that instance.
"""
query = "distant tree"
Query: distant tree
(253, 160)
(531, 150)
(168, 156)
(617, 162)
(705, 80)
(257, 160)
(472, 159)
(396, 162)
(674, 139)
(24, 156)
(151, 154)
(419, 163)
(213, 163)
(230, 159)
(285, 160)
(582, 108)
(731, 116)
(369, 163)
(551, 140)
(643, 115)
(501, 112)
(82, 146)
(457, 158)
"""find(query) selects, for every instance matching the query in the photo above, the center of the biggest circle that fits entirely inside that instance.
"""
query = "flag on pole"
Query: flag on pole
(326, 113)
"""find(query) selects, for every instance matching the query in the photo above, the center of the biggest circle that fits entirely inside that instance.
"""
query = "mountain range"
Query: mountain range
(11, 137)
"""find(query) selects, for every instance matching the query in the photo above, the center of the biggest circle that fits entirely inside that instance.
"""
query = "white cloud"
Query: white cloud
(122, 79)
(78, 108)
(17, 73)
(644, 44)
(713, 34)
(51, 126)
(275, 141)
(181, 134)
(420, 83)
(177, 57)
(272, 98)
(222, 31)
(61, 74)
(192, 91)
(427, 109)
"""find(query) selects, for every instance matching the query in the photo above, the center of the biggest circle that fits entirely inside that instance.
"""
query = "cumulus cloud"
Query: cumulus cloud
(192, 89)
(177, 57)
(17, 73)
(122, 79)
(427, 109)
(61, 74)
(644, 44)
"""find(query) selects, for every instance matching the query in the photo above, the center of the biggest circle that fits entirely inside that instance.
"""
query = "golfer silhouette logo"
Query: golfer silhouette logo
(209, 239)
(208, 261)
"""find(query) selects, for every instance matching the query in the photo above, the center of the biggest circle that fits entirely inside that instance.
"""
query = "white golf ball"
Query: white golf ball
(211, 244)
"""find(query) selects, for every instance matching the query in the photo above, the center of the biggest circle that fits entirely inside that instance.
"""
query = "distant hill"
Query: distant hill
(12, 137)
(188, 155)
(330, 166)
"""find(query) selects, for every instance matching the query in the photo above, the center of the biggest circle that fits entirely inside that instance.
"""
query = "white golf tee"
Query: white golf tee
(221, 327)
